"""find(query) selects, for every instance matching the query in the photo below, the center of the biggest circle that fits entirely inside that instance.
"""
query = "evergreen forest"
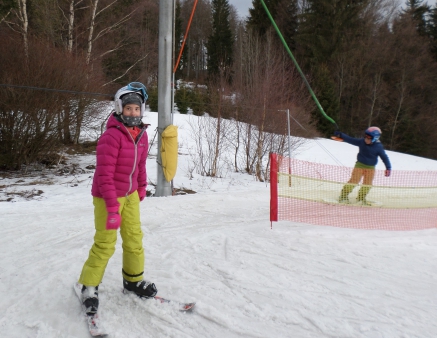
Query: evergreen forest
(369, 62)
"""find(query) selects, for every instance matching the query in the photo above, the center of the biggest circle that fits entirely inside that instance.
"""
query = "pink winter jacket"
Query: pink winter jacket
(121, 164)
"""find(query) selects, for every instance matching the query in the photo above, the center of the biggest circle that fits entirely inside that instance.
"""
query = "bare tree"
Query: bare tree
(22, 26)
(30, 118)
(70, 16)
(208, 153)
(266, 83)
(105, 29)
(413, 92)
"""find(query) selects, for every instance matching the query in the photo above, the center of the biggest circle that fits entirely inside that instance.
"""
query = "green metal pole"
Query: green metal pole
(297, 65)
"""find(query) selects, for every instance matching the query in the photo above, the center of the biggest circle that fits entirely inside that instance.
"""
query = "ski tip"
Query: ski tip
(187, 307)
(77, 288)
(181, 306)
(162, 300)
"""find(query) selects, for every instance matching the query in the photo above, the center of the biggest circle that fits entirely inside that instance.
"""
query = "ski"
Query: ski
(95, 327)
(161, 300)
(332, 201)
(181, 306)
(370, 203)
(352, 203)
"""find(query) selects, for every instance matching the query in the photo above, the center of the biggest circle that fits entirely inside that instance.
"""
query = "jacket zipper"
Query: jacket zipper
(135, 160)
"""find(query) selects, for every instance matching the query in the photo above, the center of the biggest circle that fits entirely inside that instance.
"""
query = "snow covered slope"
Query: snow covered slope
(215, 247)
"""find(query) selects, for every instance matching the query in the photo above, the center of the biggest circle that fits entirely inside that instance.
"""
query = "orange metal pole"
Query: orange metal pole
(185, 37)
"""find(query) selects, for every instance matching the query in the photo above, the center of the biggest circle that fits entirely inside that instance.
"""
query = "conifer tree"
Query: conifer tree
(5, 7)
(327, 25)
(288, 21)
(258, 19)
(418, 10)
(327, 29)
(328, 99)
(433, 31)
(179, 37)
(220, 42)
(284, 12)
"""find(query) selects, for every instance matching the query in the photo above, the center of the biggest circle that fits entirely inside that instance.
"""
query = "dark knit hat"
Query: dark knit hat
(131, 98)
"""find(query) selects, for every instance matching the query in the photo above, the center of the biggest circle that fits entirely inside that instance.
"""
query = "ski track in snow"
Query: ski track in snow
(293, 281)
(216, 248)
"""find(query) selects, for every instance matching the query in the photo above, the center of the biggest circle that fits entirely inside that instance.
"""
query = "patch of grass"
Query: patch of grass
(27, 194)
(5, 174)
(82, 148)
(40, 182)
(51, 160)
(183, 191)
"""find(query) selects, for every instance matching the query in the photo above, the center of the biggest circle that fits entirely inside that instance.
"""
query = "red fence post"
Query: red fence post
(273, 188)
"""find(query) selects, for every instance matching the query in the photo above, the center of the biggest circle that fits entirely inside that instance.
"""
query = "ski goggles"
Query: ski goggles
(138, 87)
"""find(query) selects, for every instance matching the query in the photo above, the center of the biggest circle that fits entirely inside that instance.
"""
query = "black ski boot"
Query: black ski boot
(142, 289)
(90, 298)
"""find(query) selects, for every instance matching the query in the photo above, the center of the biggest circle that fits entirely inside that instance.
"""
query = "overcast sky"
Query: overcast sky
(242, 6)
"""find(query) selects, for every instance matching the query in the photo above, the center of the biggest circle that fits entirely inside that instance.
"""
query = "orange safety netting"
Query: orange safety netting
(309, 192)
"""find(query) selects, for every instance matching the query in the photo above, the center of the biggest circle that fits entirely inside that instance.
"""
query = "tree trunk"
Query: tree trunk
(70, 26)
(91, 32)
(22, 16)
(217, 143)
(398, 110)
(66, 127)
(260, 145)
(375, 89)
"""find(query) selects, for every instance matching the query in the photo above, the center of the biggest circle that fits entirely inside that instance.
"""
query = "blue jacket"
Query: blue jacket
(368, 153)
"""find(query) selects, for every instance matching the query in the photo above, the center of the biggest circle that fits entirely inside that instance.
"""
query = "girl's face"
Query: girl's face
(131, 110)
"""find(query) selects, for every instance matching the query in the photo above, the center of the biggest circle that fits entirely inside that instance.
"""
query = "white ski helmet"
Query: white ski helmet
(133, 87)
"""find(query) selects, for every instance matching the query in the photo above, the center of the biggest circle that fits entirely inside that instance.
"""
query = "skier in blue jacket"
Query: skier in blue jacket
(369, 149)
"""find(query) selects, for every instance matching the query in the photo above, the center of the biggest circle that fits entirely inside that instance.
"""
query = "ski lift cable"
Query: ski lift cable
(321, 145)
(55, 90)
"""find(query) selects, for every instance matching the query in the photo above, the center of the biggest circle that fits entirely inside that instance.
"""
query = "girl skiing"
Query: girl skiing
(369, 149)
(119, 185)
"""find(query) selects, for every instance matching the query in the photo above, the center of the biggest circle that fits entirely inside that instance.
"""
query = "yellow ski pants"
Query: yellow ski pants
(104, 242)
(357, 173)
